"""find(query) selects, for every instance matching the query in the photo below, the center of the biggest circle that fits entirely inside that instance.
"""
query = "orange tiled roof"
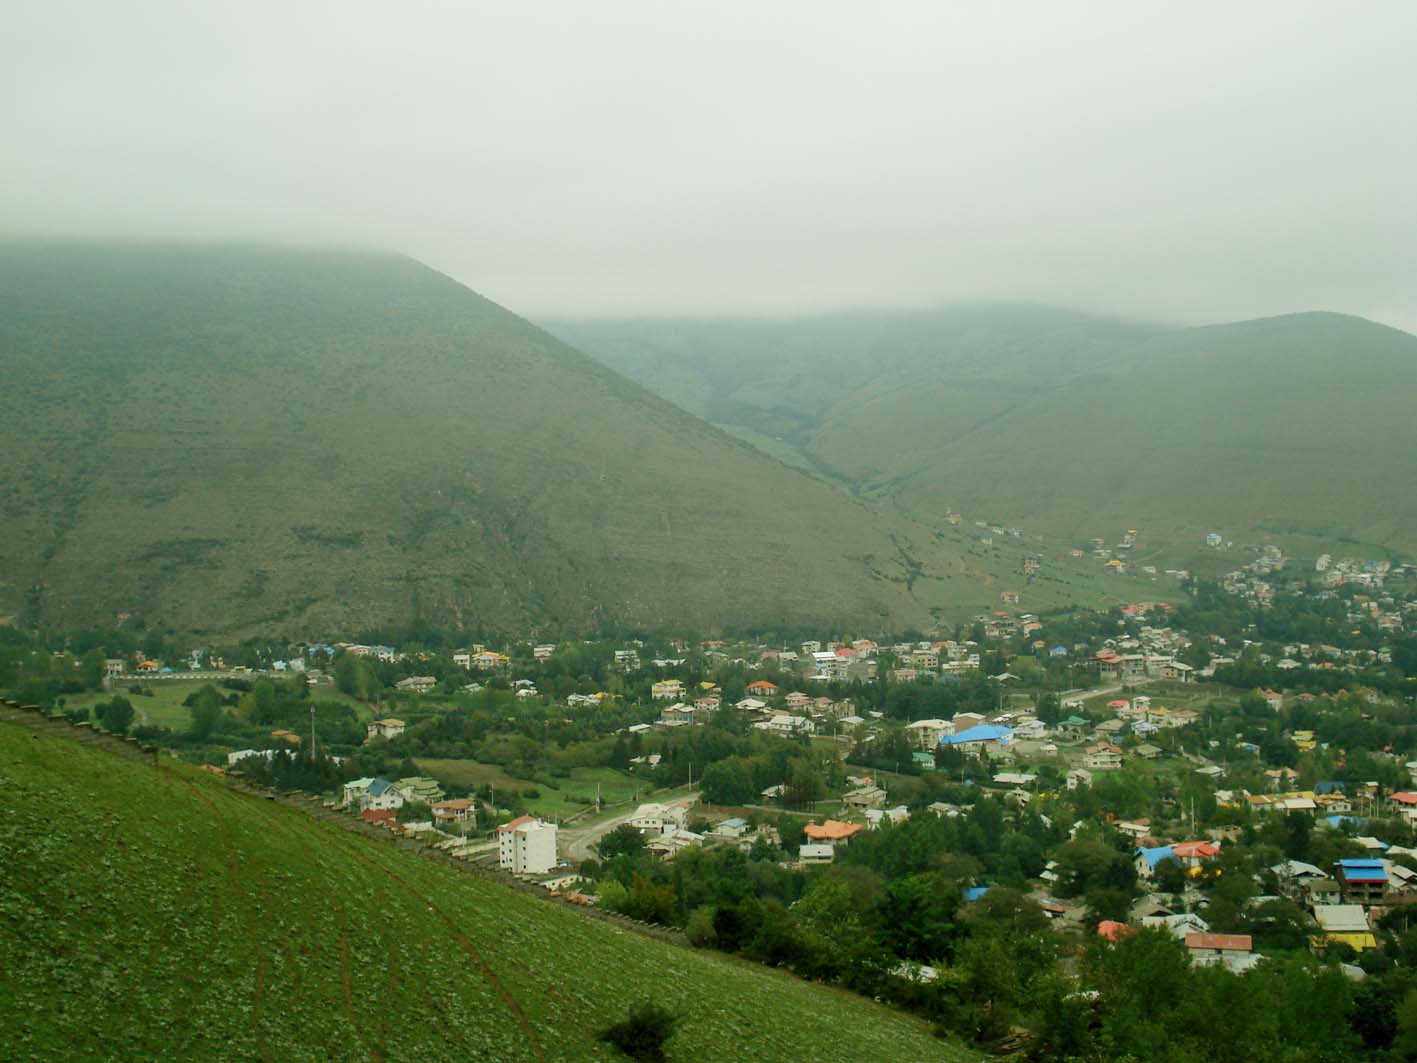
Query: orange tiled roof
(831, 830)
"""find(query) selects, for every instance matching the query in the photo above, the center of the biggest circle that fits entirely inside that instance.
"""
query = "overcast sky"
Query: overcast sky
(1196, 161)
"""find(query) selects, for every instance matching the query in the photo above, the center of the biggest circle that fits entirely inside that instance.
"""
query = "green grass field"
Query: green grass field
(557, 797)
(165, 709)
(155, 914)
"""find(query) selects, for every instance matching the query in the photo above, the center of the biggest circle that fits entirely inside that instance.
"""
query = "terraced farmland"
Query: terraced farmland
(153, 913)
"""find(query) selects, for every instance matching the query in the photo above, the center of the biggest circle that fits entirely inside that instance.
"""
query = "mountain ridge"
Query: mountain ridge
(325, 440)
(981, 427)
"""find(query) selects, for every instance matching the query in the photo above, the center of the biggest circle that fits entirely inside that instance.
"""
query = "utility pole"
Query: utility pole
(312, 730)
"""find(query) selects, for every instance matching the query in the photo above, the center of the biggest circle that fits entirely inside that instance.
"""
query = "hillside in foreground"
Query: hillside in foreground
(156, 914)
(1295, 427)
(324, 441)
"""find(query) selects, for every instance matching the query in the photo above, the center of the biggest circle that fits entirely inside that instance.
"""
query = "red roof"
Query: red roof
(1195, 850)
(1405, 798)
(387, 816)
(514, 824)
(761, 684)
(1113, 930)
(1228, 942)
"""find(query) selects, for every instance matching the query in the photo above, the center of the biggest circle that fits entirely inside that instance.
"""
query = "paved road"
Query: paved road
(576, 844)
(1096, 692)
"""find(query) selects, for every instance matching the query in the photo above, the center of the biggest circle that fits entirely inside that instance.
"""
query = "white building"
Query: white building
(929, 732)
(376, 794)
(786, 725)
(527, 846)
(655, 818)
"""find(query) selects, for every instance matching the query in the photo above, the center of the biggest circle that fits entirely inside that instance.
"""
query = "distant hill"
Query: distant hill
(234, 439)
(175, 919)
(1296, 427)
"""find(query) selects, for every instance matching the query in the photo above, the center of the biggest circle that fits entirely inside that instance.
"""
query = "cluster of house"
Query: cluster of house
(665, 831)
(1363, 572)
(1347, 901)
(1233, 951)
(382, 795)
(797, 713)
(1249, 582)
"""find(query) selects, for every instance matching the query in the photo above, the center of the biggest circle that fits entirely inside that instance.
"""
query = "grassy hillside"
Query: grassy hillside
(154, 914)
(1297, 428)
(852, 394)
(234, 439)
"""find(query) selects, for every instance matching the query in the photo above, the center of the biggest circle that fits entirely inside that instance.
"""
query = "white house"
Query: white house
(876, 816)
(527, 846)
(1102, 757)
(927, 733)
(365, 794)
(241, 754)
(786, 725)
(666, 845)
(389, 728)
(1079, 777)
(655, 818)
(734, 828)
(865, 797)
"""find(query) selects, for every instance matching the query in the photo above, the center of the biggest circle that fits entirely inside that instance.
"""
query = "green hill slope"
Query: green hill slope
(853, 395)
(1292, 426)
(1296, 427)
(237, 439)
(154, 914)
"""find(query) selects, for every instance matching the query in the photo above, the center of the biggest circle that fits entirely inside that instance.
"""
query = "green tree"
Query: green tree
(356, 677)
(116, 715)
(623, 839)
(650, 902)
(917, 917)
(207, 711)
(91, 669)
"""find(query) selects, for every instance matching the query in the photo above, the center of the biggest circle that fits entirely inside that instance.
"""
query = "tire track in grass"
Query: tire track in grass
(293, 832)
(468, 947)
(234, 875)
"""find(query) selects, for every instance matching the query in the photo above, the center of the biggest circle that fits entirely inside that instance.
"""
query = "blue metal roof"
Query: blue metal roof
(984, 732)
(1155, 856)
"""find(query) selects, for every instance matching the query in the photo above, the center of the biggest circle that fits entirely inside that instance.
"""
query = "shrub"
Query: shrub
(642, 1035)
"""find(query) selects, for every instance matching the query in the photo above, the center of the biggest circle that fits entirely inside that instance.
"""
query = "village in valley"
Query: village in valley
(1193, 766)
